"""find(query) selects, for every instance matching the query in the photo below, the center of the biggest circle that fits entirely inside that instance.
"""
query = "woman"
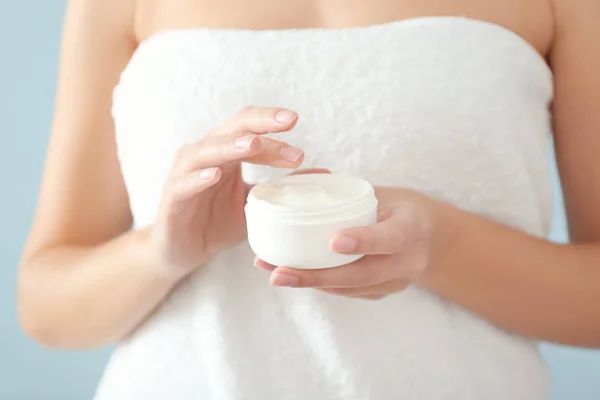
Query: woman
(139, 233)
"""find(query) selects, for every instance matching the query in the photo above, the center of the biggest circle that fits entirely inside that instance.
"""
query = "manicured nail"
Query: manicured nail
(291, 154)
(284, 280)
(286, 117)
(208, 174)
(244, 142)
(345, 244)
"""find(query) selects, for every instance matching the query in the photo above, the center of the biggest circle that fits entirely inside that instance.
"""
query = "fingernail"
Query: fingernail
(291, 154)
(207, 174)
(286, 117)
(345, 244)
(244, 142)
(284, 280)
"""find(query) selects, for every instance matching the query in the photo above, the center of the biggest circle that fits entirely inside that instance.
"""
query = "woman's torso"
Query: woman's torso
(454, 107)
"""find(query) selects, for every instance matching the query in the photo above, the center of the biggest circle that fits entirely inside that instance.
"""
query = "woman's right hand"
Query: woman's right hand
(202, 208)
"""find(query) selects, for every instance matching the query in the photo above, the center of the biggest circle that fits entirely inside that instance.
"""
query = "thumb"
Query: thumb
(384, 237)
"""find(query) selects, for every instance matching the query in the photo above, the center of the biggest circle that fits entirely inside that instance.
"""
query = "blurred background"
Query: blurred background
(29, 44)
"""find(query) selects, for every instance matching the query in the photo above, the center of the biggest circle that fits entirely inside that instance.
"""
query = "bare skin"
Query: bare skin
(87, 279)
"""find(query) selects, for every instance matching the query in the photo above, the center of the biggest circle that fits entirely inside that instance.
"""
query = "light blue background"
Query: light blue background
(29, 38)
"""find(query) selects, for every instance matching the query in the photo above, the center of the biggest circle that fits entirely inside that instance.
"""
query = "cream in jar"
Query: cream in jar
(292, 220)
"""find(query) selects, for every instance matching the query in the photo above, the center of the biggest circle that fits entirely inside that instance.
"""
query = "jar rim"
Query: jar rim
(352, 193)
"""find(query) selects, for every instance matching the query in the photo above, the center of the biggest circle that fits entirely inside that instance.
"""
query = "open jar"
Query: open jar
(292, 220)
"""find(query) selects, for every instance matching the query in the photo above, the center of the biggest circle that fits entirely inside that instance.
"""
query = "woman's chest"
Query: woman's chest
(454, 107)
(531, 19)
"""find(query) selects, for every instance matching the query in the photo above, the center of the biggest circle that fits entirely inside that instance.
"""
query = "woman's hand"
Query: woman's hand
(398, 250)
(202, 208)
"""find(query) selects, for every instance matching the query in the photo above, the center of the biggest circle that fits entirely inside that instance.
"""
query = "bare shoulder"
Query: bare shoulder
(577, 15)
(532, 20)
(119, 13)
(83, 200)
(575, 61)
(577, 26)
(115, 17)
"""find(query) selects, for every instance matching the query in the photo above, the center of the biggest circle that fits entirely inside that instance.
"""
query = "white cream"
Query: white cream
(291, 220)
(297, 195)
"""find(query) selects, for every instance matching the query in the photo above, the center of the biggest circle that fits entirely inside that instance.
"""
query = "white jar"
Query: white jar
(292, 220)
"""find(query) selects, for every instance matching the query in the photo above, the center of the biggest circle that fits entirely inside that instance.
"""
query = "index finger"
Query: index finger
(368, 271)
(259, 120)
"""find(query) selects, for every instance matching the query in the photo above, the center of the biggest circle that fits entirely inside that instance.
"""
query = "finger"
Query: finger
(367, 271)
(370, 296)
(220, 150)
(384, 237)
(375, 291)
(366, 296)
(277, 154)
(183, 187)
(265, 266)
(260, 120)
(311, 171)
(214, 151)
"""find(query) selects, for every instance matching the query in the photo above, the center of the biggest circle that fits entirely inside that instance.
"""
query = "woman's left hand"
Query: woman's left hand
(397, 251)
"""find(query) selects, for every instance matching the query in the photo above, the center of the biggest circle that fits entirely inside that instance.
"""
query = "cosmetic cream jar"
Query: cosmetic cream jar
(292, 220)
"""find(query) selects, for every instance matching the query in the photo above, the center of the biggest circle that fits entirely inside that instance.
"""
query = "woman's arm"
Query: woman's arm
(72, 290)
(523, 284)
(543, 290)
(85, 279)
